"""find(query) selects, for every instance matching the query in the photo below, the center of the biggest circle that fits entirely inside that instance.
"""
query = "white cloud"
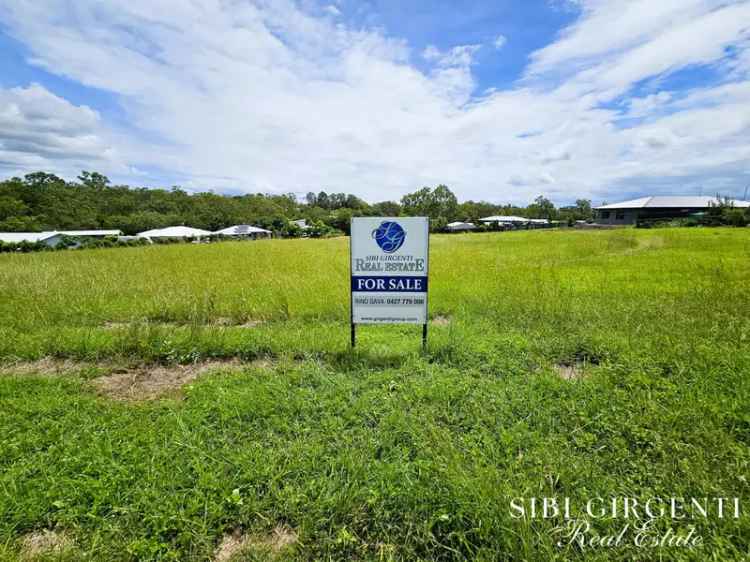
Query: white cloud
(39, 130)
(641, 107)
(461, 55)
(500, 41)
(611, 26)
(269, 97)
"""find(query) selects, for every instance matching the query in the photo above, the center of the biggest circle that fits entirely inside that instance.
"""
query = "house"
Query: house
(460, 226)
(658, 208)
(542, 223)
(55, 237)
(302, 223)
(505, 222)
(244, 231)
(504, 219)
(50, 239)
(175, 232)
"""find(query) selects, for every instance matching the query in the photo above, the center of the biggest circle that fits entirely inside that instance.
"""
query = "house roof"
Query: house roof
(504, 218)
(174, 232)
(242, 229)
(17, 237)
(671, 202)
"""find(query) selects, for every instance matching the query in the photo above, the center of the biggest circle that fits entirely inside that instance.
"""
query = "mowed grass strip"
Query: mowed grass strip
(383, 453)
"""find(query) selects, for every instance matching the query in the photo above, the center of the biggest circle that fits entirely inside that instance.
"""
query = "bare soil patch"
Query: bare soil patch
(570, 372)
(231, 323)
(236, 543)
(44, 543)
(148, 382)
(117, 325)
(440, 320)
(130, 382)
(45, 366)
(216, 322)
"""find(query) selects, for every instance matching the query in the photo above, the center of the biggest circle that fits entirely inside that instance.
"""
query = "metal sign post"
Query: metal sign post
(389, 271)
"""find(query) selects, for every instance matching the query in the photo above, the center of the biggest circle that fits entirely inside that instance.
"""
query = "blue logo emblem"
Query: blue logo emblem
(389, 236)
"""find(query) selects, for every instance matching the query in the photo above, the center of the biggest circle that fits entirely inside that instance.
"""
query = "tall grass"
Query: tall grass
(381, 453)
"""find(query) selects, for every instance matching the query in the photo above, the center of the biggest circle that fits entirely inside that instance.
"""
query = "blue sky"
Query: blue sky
(500, 100)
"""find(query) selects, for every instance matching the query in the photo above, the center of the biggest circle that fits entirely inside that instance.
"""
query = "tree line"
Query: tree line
(42, 201)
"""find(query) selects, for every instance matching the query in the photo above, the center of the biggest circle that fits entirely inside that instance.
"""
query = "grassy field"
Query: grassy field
(560, 363)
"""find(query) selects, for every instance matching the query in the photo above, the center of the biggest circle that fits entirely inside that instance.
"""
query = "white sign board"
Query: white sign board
(389, 270)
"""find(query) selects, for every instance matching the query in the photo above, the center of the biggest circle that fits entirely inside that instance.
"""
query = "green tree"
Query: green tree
(386, 209)
(440, 204)
(12, 207)
(94, 180)
(584, 209)
(542, 208)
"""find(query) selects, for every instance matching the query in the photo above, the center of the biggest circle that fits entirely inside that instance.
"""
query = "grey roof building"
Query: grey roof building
(658, 207)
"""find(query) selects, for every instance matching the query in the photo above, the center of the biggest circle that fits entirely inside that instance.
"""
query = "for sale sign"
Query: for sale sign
(389, 270)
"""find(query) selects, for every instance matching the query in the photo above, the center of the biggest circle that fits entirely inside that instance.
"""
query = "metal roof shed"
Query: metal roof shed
(51, 239)
(175, 232)
(243, 231)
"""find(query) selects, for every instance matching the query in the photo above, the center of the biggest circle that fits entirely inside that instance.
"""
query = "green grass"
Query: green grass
(384, 453)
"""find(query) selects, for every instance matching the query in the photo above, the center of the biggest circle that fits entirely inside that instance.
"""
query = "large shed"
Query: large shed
(459, 226)
(175, 232)
(53, 238)
(244, 231)
(50, 239)
(658, 208)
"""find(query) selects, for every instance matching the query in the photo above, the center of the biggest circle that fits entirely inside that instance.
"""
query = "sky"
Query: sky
(500, 100)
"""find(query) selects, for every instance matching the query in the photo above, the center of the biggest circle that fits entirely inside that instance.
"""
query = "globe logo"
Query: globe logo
(389, 236)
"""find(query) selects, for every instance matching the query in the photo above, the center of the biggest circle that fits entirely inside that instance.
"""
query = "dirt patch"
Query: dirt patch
(117, 325)
(236, 543)
(130, 382)
(45, 366)
(232, 545)
(215, 322)
(570, 372)
(231, 323)
(44, 543)
(440, 320)
(149, 382)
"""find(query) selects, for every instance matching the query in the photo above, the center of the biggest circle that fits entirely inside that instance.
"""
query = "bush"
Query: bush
(736, 217)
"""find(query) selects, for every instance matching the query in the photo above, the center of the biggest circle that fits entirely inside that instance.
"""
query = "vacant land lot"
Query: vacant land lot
(200, 402)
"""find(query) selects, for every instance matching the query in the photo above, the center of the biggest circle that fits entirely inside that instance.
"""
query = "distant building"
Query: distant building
(510, 222)
(657, 208)
(55, 237)
(50, 239)
(244, 231)
(540, 222)
(302, 223)
(504, 220)
(175, 232)
(460, 226)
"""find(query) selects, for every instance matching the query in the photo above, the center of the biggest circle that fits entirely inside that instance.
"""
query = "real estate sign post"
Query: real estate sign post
(389, 266)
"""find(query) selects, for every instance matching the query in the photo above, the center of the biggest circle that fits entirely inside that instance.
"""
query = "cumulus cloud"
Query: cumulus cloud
(273, 96)
(39, 130)
(500, 41)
